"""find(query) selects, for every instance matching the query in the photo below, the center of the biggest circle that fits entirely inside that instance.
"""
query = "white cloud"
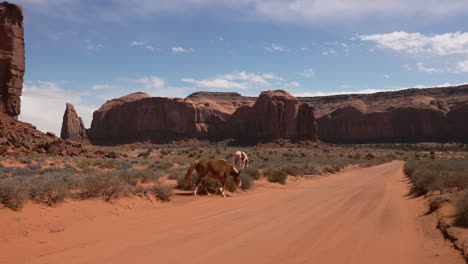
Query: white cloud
(455, 43)
(277, 10)
(293, 84)
(308, 73)
(102, 86)
(423, 68)
(93, 46)
(370, 91)
(149, 47)
(344, 86)
(43, 105)
(179, 50)
(274, 47)
(137, 43)
(236, 80)
(328, 52)
(386, 76)
(152, 82)
(142, 44)
(216, 83)
(463, 66)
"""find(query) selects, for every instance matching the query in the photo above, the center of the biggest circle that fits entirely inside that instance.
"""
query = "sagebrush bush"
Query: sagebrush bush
(162, 191)
(253, 172)
(437, 175)
(50, 189)
(276, 175)
(435, 203)
(461, 218)
(13, 193)
(106, 186)
(246, 181)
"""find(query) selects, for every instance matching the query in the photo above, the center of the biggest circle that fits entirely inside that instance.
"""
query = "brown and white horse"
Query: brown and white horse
(240, 159)
(213, 168)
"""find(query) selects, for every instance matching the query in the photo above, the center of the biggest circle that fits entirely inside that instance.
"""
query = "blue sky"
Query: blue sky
(87, 52)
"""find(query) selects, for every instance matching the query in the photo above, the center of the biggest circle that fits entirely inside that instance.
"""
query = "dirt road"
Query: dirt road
(359, 216)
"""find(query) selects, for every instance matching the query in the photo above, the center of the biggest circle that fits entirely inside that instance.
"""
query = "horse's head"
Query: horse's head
(236, 176)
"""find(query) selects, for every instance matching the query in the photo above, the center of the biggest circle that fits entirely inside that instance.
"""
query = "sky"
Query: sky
(87, 52)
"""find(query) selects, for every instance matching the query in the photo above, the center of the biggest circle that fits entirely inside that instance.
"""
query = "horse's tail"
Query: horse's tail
(189, 174)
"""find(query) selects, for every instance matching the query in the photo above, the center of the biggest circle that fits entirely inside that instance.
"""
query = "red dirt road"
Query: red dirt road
(358, 216)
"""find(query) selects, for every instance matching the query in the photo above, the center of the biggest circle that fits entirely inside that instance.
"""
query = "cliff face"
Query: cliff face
(11, 58)
(436, 114)
(275, 114)
(139, 117)
(72, 125)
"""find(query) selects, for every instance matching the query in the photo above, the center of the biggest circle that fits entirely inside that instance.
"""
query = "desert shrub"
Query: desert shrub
(25, 160)
(357, 156)
(247, 182)
(441, 175)
(276, 175)
(25, 172)
(461, 218)
(370, 156)
(310, 169)
(293, 170)
(131, 176)
(50, 189)
(89, 171)
(36, 166)
(329, 169)
(102, 164)
(175, 173)
(162, 165)
(13, 193)
(253, 172)
(435, 203)
(122, 164)
(162, 191)
(107, 186)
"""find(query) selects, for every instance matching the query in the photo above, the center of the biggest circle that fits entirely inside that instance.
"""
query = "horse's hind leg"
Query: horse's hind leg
(199, 181)
(223, 187)
(206, 189)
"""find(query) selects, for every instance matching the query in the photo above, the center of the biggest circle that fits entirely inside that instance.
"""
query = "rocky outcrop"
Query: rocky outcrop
(72, 125)
(19, 138)
(11, 58)
(275, 114)
(138, 117)
(435, 114)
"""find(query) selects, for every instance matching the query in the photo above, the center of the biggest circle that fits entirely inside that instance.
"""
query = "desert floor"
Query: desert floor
(359, 215)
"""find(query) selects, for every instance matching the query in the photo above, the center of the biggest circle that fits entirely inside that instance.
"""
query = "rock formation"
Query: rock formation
(275, 114)
(11, 58)
(72, 125)
(434, 114)
(16, 137)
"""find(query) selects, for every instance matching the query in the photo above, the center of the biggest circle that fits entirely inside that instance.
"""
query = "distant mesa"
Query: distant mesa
(412, 115)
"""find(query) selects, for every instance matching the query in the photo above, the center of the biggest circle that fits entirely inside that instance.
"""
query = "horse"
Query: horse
(240, 159)
(213, 168)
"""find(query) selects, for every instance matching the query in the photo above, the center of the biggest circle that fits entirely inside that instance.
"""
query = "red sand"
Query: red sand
(358, 216)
